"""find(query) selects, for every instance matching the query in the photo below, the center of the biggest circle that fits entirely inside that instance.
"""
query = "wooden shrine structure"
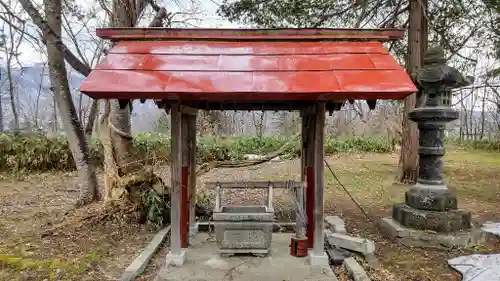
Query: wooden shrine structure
(308, 70)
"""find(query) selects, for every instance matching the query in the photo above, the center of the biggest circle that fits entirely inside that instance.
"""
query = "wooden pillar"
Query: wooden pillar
(191, 132)
(184, 218)
(319, 167)
(300, 231)
(309, 163)
(177, 254)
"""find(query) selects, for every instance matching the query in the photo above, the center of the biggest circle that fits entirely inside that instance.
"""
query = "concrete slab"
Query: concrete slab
(356, 270)
(336, 224)
(357, 244)
(394, 230)
(137, 267)
(203, 263)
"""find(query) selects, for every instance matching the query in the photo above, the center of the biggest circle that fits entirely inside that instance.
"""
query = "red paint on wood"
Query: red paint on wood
(310, 206)
(211, 48)
(184, 207)
(298, 247)
(248, 71)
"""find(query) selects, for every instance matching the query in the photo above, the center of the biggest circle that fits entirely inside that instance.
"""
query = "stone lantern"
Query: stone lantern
(430, 214)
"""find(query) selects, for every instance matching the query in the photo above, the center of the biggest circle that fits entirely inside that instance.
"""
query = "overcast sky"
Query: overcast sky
(206, 12)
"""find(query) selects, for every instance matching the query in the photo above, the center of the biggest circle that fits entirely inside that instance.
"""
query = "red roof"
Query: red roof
(267, 67)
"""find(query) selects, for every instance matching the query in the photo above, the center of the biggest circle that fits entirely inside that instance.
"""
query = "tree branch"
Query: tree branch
(48, 33)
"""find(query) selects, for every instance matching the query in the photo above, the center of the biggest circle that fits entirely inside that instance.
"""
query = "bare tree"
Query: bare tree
(11, 54)
(259, 122)
(51, 31)
(10, 44)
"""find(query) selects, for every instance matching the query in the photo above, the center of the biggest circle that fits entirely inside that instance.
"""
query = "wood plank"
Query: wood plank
(253, 105)
(175, 164)
(184, 180)
(310, 172)
(190, 111)
(252, 184)
(319, 224)
(117, 34)
(300, 231)
(192, 168)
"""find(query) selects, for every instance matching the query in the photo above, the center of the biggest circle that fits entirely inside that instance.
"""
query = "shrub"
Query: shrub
(485, 144)
(41, 153)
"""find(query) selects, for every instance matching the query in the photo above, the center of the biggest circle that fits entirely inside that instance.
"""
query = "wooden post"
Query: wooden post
(270, 198)
(299, 226)
(217, 198)
(310, 173)
(301, 242)
(191, 132)
(176, 255)
(319, 224)
(184, 182)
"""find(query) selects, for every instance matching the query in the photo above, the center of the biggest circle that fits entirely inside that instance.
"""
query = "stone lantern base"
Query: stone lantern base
(429, 217)
(443, 222)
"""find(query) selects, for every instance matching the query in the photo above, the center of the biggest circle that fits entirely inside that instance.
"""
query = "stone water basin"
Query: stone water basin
(244, 229)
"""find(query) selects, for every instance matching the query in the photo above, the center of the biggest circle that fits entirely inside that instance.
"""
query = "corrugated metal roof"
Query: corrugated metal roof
(248, 70)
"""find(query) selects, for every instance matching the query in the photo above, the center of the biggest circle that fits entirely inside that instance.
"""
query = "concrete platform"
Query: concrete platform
(203, 263)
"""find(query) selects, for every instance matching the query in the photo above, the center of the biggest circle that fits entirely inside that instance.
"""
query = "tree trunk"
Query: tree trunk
(94, 111)
(55, 119)
(483, 121)
(59, 81)
(15, 115)
(124, 15)
(417, 40)
(122, 170)
(2, 128)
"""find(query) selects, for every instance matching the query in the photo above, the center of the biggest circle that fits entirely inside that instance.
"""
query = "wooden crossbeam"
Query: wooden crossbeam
(253, 184)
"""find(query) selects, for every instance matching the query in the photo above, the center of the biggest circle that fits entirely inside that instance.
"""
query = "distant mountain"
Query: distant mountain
(34, 79)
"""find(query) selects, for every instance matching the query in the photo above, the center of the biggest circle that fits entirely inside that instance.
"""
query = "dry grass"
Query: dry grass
(30, 206)
(370, 178)
(35, 204)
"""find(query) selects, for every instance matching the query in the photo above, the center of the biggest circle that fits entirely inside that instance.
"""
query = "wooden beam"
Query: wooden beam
(252, 184)
(319, 155)
(252, 105)
(192, 107)
(117, 34)
(184, 181)
(191, 132)
(175, 166)
(300, 226)
(310, 164)
(189, 110)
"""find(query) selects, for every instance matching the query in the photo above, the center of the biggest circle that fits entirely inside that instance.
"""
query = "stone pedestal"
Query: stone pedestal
(243, 229)
(193, 231)
(176, 259)
(320, 260)
(430, 207)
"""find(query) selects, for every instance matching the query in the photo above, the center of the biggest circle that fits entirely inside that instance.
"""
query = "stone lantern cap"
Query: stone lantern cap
(435, 73)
